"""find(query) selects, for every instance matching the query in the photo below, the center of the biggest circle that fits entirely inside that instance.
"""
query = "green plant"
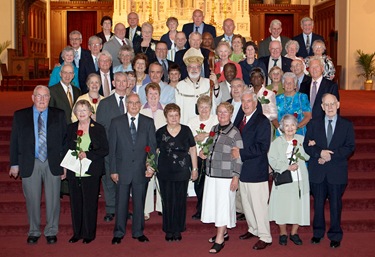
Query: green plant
(367, 63)
(4, 46)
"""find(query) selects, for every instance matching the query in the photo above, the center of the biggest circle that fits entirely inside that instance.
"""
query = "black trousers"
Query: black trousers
(84, 205)
(174, 194)
(199, 183)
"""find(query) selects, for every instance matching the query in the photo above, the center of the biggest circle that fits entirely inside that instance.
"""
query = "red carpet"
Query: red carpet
(358, 210)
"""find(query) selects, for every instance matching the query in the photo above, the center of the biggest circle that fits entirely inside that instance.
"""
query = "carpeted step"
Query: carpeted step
(5, 133)
(362, 120)
(364, 132)
(6, 121)
(4, 148)
(365, 145)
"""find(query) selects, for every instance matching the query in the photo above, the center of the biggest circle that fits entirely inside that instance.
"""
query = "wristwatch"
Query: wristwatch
(195, 169)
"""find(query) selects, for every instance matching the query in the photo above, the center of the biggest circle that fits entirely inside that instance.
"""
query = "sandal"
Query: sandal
(212, 239)
(217, 247)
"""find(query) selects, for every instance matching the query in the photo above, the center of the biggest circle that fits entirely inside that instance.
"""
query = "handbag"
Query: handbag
(282, 178)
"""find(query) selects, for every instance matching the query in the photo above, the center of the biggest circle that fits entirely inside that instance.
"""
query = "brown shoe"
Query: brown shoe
(260, 245)
(245, 236)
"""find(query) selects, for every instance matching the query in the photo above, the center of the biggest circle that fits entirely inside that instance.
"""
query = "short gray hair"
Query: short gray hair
(289, 75)
(291, 42)
(248, 91)
(105, 53)
(287, 117)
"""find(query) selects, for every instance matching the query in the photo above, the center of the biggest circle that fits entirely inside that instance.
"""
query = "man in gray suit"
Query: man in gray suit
(114, 44)
(275, 30)
(109, 108)
(37, 146)
(129, 135)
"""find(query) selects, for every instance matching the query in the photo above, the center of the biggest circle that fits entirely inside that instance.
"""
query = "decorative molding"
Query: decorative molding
(286, 8)
(82, 5)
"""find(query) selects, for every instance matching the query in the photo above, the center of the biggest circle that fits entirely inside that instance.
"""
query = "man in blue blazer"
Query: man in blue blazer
(129, 134)
(198, 26)
(322, 85)
(275, 59)
(255, 131)
(306, 38)
(329, 141)
(37, 146)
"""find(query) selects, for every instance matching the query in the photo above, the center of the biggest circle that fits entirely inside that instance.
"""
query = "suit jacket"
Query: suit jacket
(102, 36)
(22, 141)
(342, 145)
(326, 86)
(302, 52)
(128, 159)
(87, 66)
(169, 65)
(179, 60)
(98, 148)
(111, 76)
(165, 38)
(84, 53)
(257, 140)
(108, 109)
(127, 35)
(265, 43)
(59, 99)
(306, 82)
(240, 113)
(285, 64)
(189, 27)
(113, 47)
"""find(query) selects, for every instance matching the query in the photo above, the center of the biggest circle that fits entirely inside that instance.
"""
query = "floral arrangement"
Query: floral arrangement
(263, 99)
(151, 159)
(295, 153)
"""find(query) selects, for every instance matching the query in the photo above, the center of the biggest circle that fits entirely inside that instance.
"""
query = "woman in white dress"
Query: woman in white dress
(289, 203)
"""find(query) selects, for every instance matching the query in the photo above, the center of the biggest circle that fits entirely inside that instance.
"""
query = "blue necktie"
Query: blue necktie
(133, 130)
(121, 105)
(329, 132)
(42, 139)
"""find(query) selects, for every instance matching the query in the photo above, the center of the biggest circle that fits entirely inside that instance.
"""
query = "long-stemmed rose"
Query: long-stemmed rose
(206, 149)
(263, 99)
(295, 153)
(95, 102)
(78, 149)
(151, 159)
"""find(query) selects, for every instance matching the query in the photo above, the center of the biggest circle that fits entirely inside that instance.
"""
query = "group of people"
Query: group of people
(155, 114)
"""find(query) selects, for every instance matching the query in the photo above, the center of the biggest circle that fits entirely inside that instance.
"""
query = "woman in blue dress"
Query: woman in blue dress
(294, 103)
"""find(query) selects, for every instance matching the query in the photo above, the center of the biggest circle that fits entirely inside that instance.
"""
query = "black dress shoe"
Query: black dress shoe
(335, 244)
(295, 239)
(169, 237)
(32, 240)
(160, 213)
(315, 240)
(283, 240)
(109, 217)
(241, 216)
(73, 239)
(260, 245)
(245, 236)
(87, 241)
(177, 237)
(142, 238)
(116, 240)
(51, 239)
(196, 216)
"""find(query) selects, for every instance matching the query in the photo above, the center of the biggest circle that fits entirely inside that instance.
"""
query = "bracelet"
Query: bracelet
(195, 169)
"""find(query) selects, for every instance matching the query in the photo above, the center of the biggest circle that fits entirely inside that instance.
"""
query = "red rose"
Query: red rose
(95, 100)
(212, 133)
(274, 92)
(265, 92)
(147, 149)
(79, 133)
(295, 142)
(201, 127)
(295, 115)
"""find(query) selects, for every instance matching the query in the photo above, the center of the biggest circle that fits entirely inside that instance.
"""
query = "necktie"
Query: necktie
(76, 58)
(242, 124)
(133, 130)
(123, 42)
(106, 86)
(275, 62)
(329, 132)
(42, 140)
(131, 34)
(121, 105)
(196, 29)
(307, 44)
(70, 98)
(165, 71)
(313, 94)
(96, 64)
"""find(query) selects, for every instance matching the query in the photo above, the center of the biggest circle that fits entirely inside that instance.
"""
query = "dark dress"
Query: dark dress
(174, 166)
(246, 69)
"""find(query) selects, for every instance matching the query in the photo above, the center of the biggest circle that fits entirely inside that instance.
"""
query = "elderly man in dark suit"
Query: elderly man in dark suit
(105, 72)
(228, 27)
(195, 40)
(329, 141)
(275, 30)
(109, 108)
(89, 64)
(133, 31)
(118, 39)
(275, 59)
(198, 26)
(63, 94)
(298, 68)
(318, 87)
(161, 51)
(75, 39)
(129, 134)
(255, 131)
(106, 33)
(37, 146)
(306, 38)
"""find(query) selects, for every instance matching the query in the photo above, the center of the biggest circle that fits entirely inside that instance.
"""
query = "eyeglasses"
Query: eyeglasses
(97, 44)
(75, 39)
(39, 97)
(329, 104)
(67, 72)
(133, 103)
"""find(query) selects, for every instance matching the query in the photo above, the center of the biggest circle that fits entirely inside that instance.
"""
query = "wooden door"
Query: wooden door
(287, 24)
(84, 22)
